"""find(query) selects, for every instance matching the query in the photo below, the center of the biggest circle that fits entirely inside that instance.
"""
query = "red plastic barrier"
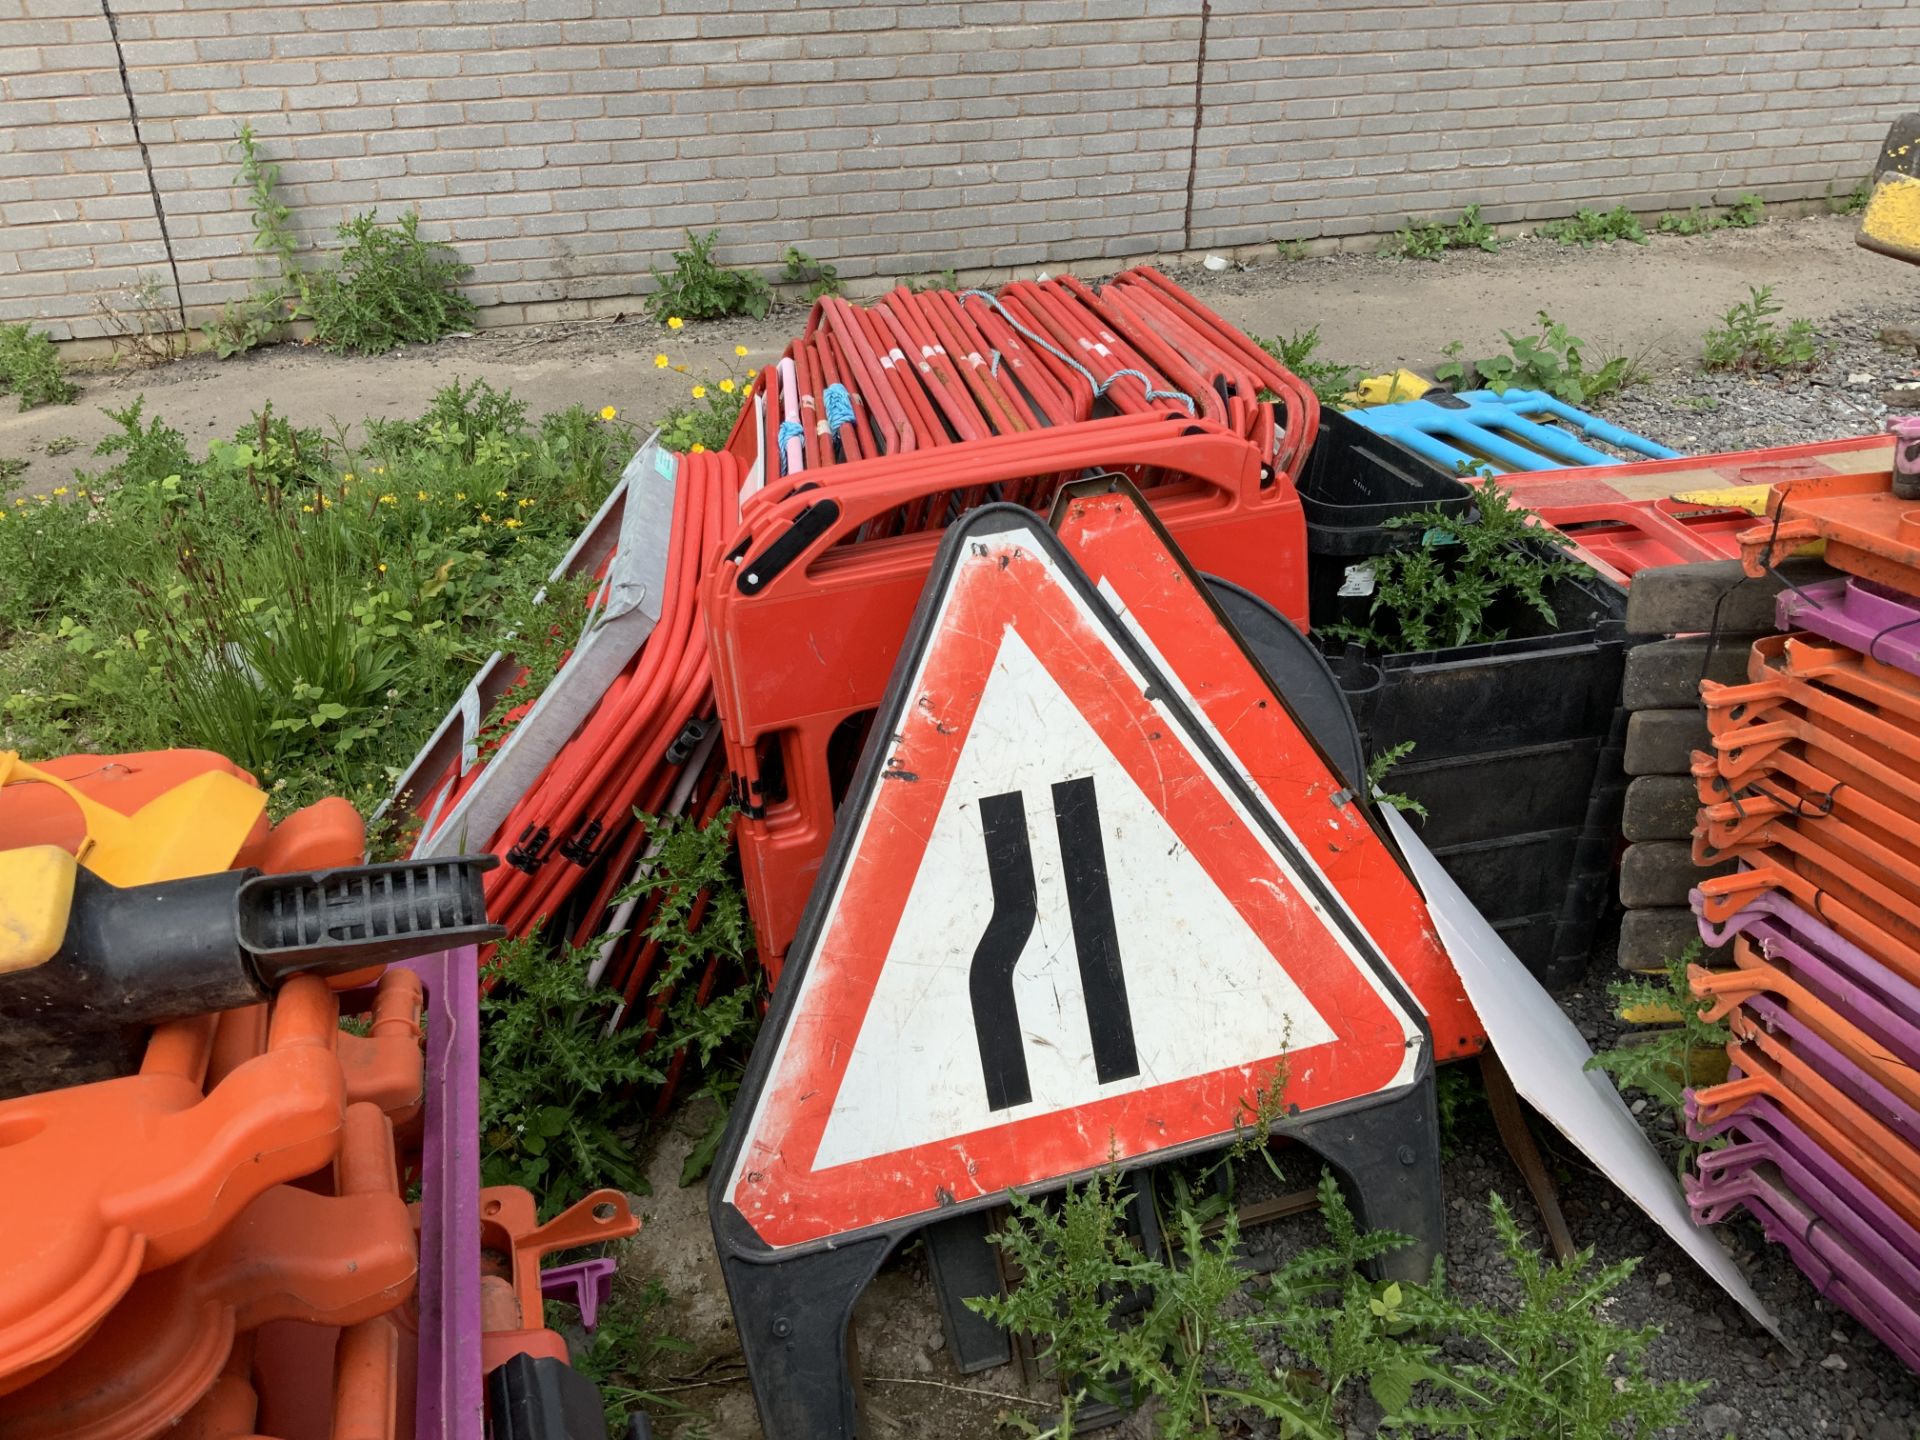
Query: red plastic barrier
(806, 619)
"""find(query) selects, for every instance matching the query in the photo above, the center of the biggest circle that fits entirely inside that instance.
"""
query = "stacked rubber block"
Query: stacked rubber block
(880, 424)
(1806, 787)
(1691, 623)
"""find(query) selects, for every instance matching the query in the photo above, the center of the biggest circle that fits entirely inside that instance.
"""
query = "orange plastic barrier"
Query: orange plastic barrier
(511, 1304)
(322, 835)
(1754, 974)
(1882, 1161)
(100, 1183)
(291, 1255)
(1870, 531)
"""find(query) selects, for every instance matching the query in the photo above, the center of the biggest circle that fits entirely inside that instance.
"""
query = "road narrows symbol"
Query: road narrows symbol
(996, 1021)
(1096, 940)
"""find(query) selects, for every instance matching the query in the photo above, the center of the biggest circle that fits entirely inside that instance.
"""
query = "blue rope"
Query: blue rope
(789, 430)
(1099, 386)
(839, 406)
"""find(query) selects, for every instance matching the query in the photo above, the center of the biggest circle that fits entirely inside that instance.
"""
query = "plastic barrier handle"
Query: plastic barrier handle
(1203, 457)
(1765, 545)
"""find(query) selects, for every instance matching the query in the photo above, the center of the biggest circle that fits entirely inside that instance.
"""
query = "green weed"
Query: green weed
(142, 323)
(260, 317)
(706, 422)
(1745, 213)
(627, 1353)
(1551, 1366)
(1663, 1061)
(147, 600)
(1555, 361)
(1192, 1338)
(1442, 590)
(30, 369)
(1329, 382)
(696, 923)
(1587, 228)
(1851, 202)
(699, 288)
(386, 287)
(552, 1075)
(1429, 239)
(1290, 250)
(947, 279)
(815, 276)
(62, 445)
(1377, 769)
(1749, 338)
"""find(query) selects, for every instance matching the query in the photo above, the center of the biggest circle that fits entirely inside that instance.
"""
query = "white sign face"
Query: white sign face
(1201, 989)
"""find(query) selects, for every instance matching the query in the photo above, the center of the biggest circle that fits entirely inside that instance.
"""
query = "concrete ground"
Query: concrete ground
(1653, 300)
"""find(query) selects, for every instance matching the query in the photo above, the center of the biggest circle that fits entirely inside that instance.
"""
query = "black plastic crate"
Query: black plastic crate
(1517, 747)
(1354, 481)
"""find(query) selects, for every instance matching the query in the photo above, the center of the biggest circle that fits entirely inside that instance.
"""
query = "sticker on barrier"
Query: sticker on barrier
(1056, 929)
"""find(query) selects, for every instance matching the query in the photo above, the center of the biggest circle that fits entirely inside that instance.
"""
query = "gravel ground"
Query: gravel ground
(1867, 355)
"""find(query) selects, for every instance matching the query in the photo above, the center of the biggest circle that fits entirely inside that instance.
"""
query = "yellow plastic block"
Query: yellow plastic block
(1891, 221)
(36, 892)
(1385, 389)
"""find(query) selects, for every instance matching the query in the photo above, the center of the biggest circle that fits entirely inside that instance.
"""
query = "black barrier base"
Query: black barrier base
(795, 1314)
(1387, 1157)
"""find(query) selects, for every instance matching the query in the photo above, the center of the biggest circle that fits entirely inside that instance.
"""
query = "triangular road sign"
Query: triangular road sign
(1056, 929)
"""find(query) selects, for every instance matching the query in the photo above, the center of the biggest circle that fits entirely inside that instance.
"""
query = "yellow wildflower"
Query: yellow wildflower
(699, 392)
(81, 492)
(59, 489)
(525, 503)
(485, 518)
(325, 503)
(459, 494)
(499, 494)
(419, 494)
(660, 362)
(752, 373)
(389, 500)
(698, 448)
(306, 509)
(726, 387)
(513, 524)
(740, 350)
(674, 322)
(607, 412)
(347, 478)
(383, 567)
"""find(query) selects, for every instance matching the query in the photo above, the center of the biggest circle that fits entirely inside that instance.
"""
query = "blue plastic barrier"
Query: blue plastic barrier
(1492, 433)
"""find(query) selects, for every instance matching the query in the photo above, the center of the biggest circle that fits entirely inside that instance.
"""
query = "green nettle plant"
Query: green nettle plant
(1203, 1348)
(551, 1076)
(1441, 590)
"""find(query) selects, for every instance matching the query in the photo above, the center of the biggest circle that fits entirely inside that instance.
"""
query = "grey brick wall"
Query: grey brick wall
(564, 146)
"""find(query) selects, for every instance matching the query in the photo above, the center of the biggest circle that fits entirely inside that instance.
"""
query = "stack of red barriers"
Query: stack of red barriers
(795, 559)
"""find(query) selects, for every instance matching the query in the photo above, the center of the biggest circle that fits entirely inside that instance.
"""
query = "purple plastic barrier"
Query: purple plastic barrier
(585, 1284)
(1855, 1081)
(1765, 1131)
(450, 1404)
(1880, 623)
(1823, 1255)
(1880, 1002)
